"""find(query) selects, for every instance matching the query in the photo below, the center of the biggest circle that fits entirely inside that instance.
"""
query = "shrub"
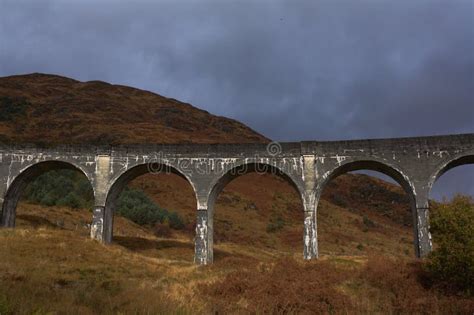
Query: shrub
(70, 200)
(65, 187)
(135, 205)
(162, 230)
(368, 222)
(12, 108)
(69, 188)
(339, 200)
(276, 224)
(451, 264)
(175, 221)
(5, 307)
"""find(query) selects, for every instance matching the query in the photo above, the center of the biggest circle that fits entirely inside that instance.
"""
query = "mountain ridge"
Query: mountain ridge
(58, 108)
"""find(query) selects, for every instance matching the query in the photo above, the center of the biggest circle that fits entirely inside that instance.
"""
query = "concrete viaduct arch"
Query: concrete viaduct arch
(206, 214)
(17, 183)
(415, 163)
(389, 168)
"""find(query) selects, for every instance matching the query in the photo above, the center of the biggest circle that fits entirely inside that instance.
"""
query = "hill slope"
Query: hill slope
(59, 110)
(55, 271)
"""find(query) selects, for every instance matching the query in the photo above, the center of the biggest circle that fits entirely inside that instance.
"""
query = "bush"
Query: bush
(70, 200)
(70, 188)
(162, 230)
(12, 108)
(276, 224)
(5, 308)
(339, 200)
(175, 221)
(67, 188)
(135, 205)
(368, 222)
(451, 264)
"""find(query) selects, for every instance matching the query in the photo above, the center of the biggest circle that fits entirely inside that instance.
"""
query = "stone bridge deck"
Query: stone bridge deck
(415, 163)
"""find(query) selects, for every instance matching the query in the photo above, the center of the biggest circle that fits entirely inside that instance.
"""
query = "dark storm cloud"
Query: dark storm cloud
(292, 70)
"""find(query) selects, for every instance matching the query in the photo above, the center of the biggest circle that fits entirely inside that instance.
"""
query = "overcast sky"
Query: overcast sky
(292, 70)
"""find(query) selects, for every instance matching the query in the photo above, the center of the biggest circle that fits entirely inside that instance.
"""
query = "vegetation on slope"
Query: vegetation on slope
(55, 270)
(135, 205)
(69, 188)
(63, 111)
(11, 109)
(451, 264)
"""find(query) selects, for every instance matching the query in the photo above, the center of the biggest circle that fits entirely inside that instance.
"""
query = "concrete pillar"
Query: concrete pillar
(310, 235)
(8, 204)
(423, 242)
(97, 225)
(102, 221)
(3, 187)
(9, 196)
(421, 222)
(204, 238)
(8, 215)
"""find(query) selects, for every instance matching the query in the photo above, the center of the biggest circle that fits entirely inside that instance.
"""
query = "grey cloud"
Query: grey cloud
(296, 70)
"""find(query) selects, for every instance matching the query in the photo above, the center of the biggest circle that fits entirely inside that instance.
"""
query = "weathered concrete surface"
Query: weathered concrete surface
(415, 163)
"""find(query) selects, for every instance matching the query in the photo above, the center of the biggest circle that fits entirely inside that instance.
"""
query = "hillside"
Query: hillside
(54, 109)
(50, 266)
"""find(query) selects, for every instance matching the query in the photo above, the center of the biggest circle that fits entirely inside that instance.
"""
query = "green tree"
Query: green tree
(135, 205)
(11, 108)
(64, 187)
(70, 188)
(451, 264)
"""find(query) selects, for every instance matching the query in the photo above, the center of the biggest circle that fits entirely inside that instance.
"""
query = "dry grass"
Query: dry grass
(398, 286)
(59, 270)
(283, 287)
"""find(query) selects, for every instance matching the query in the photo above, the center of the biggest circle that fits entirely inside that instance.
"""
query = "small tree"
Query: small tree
(451, 264)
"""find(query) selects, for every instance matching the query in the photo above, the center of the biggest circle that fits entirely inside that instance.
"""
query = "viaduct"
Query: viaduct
(415, 163)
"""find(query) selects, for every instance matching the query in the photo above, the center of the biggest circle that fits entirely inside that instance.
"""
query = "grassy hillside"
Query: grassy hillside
(40, 108)
(48, 265)
(245, 212)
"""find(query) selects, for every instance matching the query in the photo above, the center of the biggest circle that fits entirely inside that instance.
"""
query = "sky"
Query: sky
(291, 70)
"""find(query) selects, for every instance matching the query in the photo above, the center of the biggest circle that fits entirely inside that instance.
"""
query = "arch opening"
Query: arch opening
(365, 207)
(54, 194)
(465, 160)
(258, 209)
(451, 181)
(453, 178)
(152, 211)
(451, 210)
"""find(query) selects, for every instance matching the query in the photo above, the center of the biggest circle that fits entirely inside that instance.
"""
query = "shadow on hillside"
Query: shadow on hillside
(140, 244)
(36, 221)
(221, 256)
